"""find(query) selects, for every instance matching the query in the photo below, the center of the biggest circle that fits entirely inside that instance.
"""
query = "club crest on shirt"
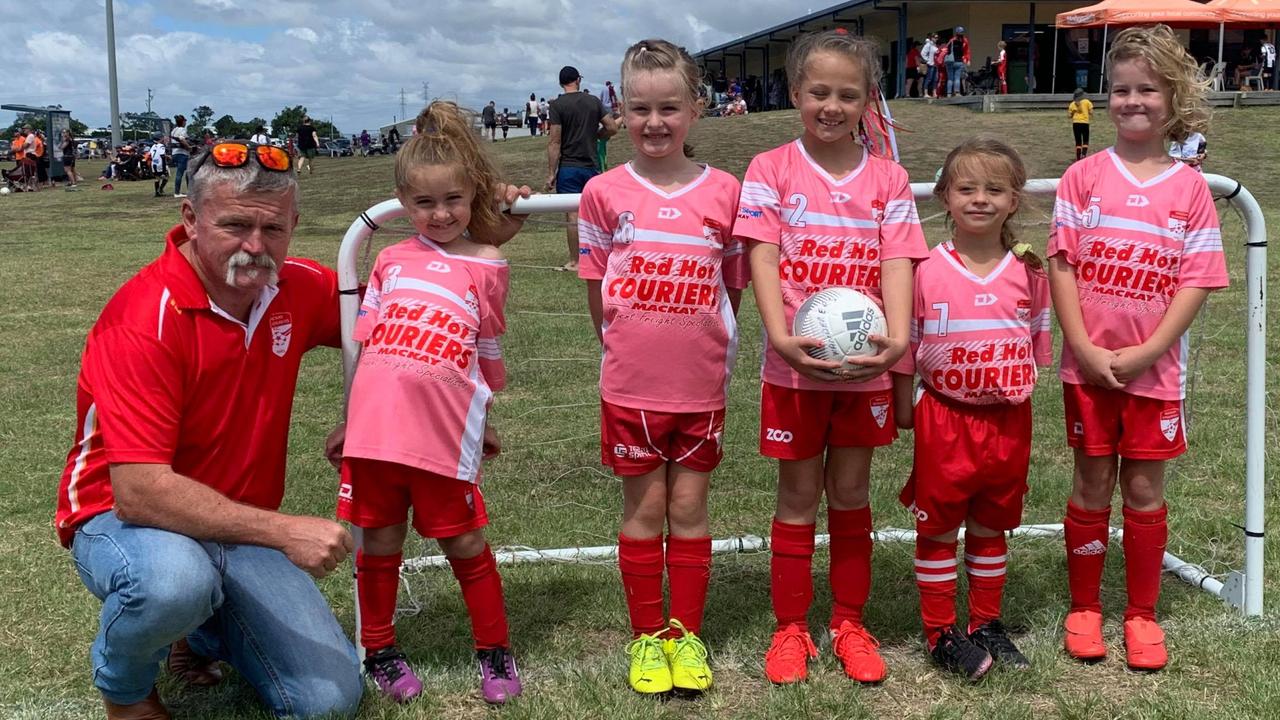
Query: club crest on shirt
(877, 211)
(1024, 310)
(473, 300)
(880, 409)
(1169, 421)
(712, 231)
(281, 325)
(1178, 223)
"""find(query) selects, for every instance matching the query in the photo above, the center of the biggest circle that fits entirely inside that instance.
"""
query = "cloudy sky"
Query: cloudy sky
(345, 60)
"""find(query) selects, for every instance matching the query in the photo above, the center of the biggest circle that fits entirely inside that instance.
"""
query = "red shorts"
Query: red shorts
(376, 494)
(798, 424)
(970, 461)
(1104, 422)
(634, 442)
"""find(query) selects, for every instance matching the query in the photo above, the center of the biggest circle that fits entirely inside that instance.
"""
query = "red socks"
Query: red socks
(791, 572)
(641, 564)
(1145, 537)
(1086, 533)
(850, 571)
(936, 580)
(985, 559)
(379, 582)
(482, 592)
(689, 573)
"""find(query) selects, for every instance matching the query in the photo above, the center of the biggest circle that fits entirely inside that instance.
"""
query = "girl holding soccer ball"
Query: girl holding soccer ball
(664, 277)
(827, 210)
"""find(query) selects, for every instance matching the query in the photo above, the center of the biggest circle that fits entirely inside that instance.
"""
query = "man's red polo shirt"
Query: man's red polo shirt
(166, 378)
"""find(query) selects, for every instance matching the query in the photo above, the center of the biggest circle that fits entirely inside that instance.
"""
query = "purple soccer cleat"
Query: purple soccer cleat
(393, 676)
(499, 678)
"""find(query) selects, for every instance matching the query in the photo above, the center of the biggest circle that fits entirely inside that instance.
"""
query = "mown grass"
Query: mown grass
(65, 253)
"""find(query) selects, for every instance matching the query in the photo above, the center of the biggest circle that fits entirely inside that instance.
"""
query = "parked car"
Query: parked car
(336, 147)
(377, 148)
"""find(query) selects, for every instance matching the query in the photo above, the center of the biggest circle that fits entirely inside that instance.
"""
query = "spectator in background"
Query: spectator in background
(1268, 52)
(489, 116)
(1248, 65)
(1191, 151)
(912, 87)
(956, 52)
(180, 151)
(543, 110)
(159, 168)
(393, 137)
(1002, 67)
(42, 160)
(504, 121)
(365, 140)
(308, 146)
(68, 151)
(30, 167)
(260, 136)
(928, 56)
(531, 114)
(609, 100)
(575, 120)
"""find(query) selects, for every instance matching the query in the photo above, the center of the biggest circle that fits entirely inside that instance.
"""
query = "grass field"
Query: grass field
(66, 253)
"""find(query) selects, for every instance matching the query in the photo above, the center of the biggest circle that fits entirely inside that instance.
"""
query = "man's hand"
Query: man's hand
(333, 445)
(315, 544)
(793, 348)
(550, 185)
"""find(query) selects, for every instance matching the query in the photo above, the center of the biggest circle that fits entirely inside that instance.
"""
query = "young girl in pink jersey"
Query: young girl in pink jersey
(980, 328)
(825, 211)
(1134, 251)
(417, 424)
(664, 277)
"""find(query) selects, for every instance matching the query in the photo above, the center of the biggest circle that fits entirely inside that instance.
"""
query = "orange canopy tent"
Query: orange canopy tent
(1183, 13)
(1246, 12)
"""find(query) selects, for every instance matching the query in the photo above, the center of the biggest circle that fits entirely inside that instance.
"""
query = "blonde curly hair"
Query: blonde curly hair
(1160, 49)
(445, 137)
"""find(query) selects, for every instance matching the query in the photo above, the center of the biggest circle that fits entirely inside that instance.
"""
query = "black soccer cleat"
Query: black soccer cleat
(955, 652)
(994, 638)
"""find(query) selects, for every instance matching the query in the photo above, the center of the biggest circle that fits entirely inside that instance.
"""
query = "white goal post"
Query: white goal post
(1242, 590)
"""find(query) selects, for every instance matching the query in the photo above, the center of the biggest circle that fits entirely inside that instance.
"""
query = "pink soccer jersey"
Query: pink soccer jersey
(431, 361)
(1133, 246)
(978, 340)
(665, 262)
(830, 233)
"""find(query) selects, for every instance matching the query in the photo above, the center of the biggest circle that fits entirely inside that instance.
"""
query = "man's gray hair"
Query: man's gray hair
(249, 178)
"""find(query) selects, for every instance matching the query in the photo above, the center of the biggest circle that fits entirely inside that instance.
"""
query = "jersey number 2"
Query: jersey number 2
(801, 203)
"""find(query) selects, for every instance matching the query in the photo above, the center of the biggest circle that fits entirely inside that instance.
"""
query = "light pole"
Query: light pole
(116, 136)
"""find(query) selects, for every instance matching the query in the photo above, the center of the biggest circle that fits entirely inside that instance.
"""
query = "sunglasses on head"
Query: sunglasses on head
(237, 154)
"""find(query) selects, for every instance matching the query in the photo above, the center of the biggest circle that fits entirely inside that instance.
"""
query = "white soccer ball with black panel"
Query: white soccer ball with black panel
(844, 320)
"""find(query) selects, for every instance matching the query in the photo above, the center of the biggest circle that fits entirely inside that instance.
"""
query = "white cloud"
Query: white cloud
(346, 60)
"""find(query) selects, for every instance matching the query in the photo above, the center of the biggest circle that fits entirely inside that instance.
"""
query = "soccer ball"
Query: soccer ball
(843, 319)
(4, 191)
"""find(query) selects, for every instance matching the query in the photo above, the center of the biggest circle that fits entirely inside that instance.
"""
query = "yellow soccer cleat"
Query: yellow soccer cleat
(688, 658)
(650, 674)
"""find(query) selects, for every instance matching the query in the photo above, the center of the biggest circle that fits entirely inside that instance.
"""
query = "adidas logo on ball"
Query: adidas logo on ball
(843, 319)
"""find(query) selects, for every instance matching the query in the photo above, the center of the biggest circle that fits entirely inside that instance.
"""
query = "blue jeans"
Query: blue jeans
(955, 71)
(931, 79)
(179, 170)
(245, 604)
